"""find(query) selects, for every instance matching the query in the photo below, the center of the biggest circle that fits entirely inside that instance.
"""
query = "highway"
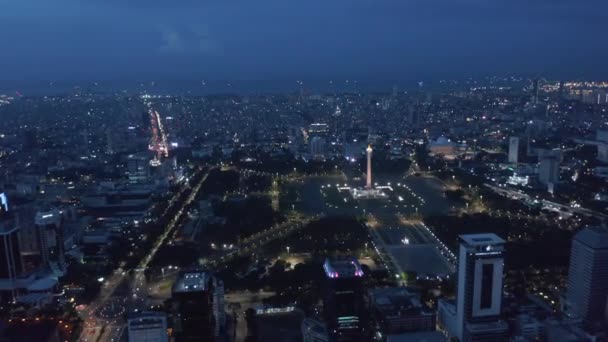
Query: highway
(99, 329)
(548, 205)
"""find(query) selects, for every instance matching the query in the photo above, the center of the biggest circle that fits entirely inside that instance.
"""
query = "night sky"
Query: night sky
(308, 39)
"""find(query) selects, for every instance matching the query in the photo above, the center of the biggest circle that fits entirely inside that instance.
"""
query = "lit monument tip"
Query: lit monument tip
(368, 183)
(368, 192)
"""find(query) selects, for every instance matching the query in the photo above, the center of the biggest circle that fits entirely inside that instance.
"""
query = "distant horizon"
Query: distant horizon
(246, 86)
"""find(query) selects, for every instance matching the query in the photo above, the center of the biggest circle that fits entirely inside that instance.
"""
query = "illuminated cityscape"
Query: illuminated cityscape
(312, 172)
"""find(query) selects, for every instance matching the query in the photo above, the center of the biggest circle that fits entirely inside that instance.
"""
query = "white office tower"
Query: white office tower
(148, 327)
(479, 295)
(588, 276)
(513, 149)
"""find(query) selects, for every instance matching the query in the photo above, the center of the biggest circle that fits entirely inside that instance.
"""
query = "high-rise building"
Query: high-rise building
(138, 169)
(513, 149)
(413, 116)
(343, 303)
(49, 225)
(535, 90)
(11, 260)
(548, 170)
(317, 147)
(400, 310)
(148, 327)
(198, 307)
(602, 151)
(29, 237)
(587, 292)
(479, 296)
(476, 315)
(11, 263)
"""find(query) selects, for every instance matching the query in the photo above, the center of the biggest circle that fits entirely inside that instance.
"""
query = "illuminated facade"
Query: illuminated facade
(343, 303)
(476, 314)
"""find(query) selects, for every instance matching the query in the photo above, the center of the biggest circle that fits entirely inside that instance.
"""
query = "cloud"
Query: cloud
(171, 41)
(192, 39)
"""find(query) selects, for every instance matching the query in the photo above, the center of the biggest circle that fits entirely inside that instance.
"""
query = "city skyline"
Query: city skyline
(319, 171)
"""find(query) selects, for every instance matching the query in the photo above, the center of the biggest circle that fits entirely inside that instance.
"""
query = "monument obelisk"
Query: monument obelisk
(368, 184)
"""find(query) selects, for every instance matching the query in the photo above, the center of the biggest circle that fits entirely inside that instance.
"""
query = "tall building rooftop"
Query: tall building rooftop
(594, 237)
(342, 268)
(481, 239)
(397, 301)
(48, 217)
(192, 282)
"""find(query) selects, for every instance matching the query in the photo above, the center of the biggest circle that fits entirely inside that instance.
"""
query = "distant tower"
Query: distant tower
(535, 91)
(368, 184)
(338, 111)
(548, 169)
(337, 118)
(513, 149)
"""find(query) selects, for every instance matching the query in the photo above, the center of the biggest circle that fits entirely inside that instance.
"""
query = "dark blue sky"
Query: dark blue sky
(309, 39)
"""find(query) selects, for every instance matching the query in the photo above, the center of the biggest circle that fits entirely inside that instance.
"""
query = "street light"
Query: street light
(287, 250)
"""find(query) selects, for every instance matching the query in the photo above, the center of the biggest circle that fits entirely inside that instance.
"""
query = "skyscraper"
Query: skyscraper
(548, 170)
(343, 304)
(51, 240)
(513, 149)
(138, 169)
(477, 313)
(198, 306)
(535, 91)
(587, 291)
(11, 263)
